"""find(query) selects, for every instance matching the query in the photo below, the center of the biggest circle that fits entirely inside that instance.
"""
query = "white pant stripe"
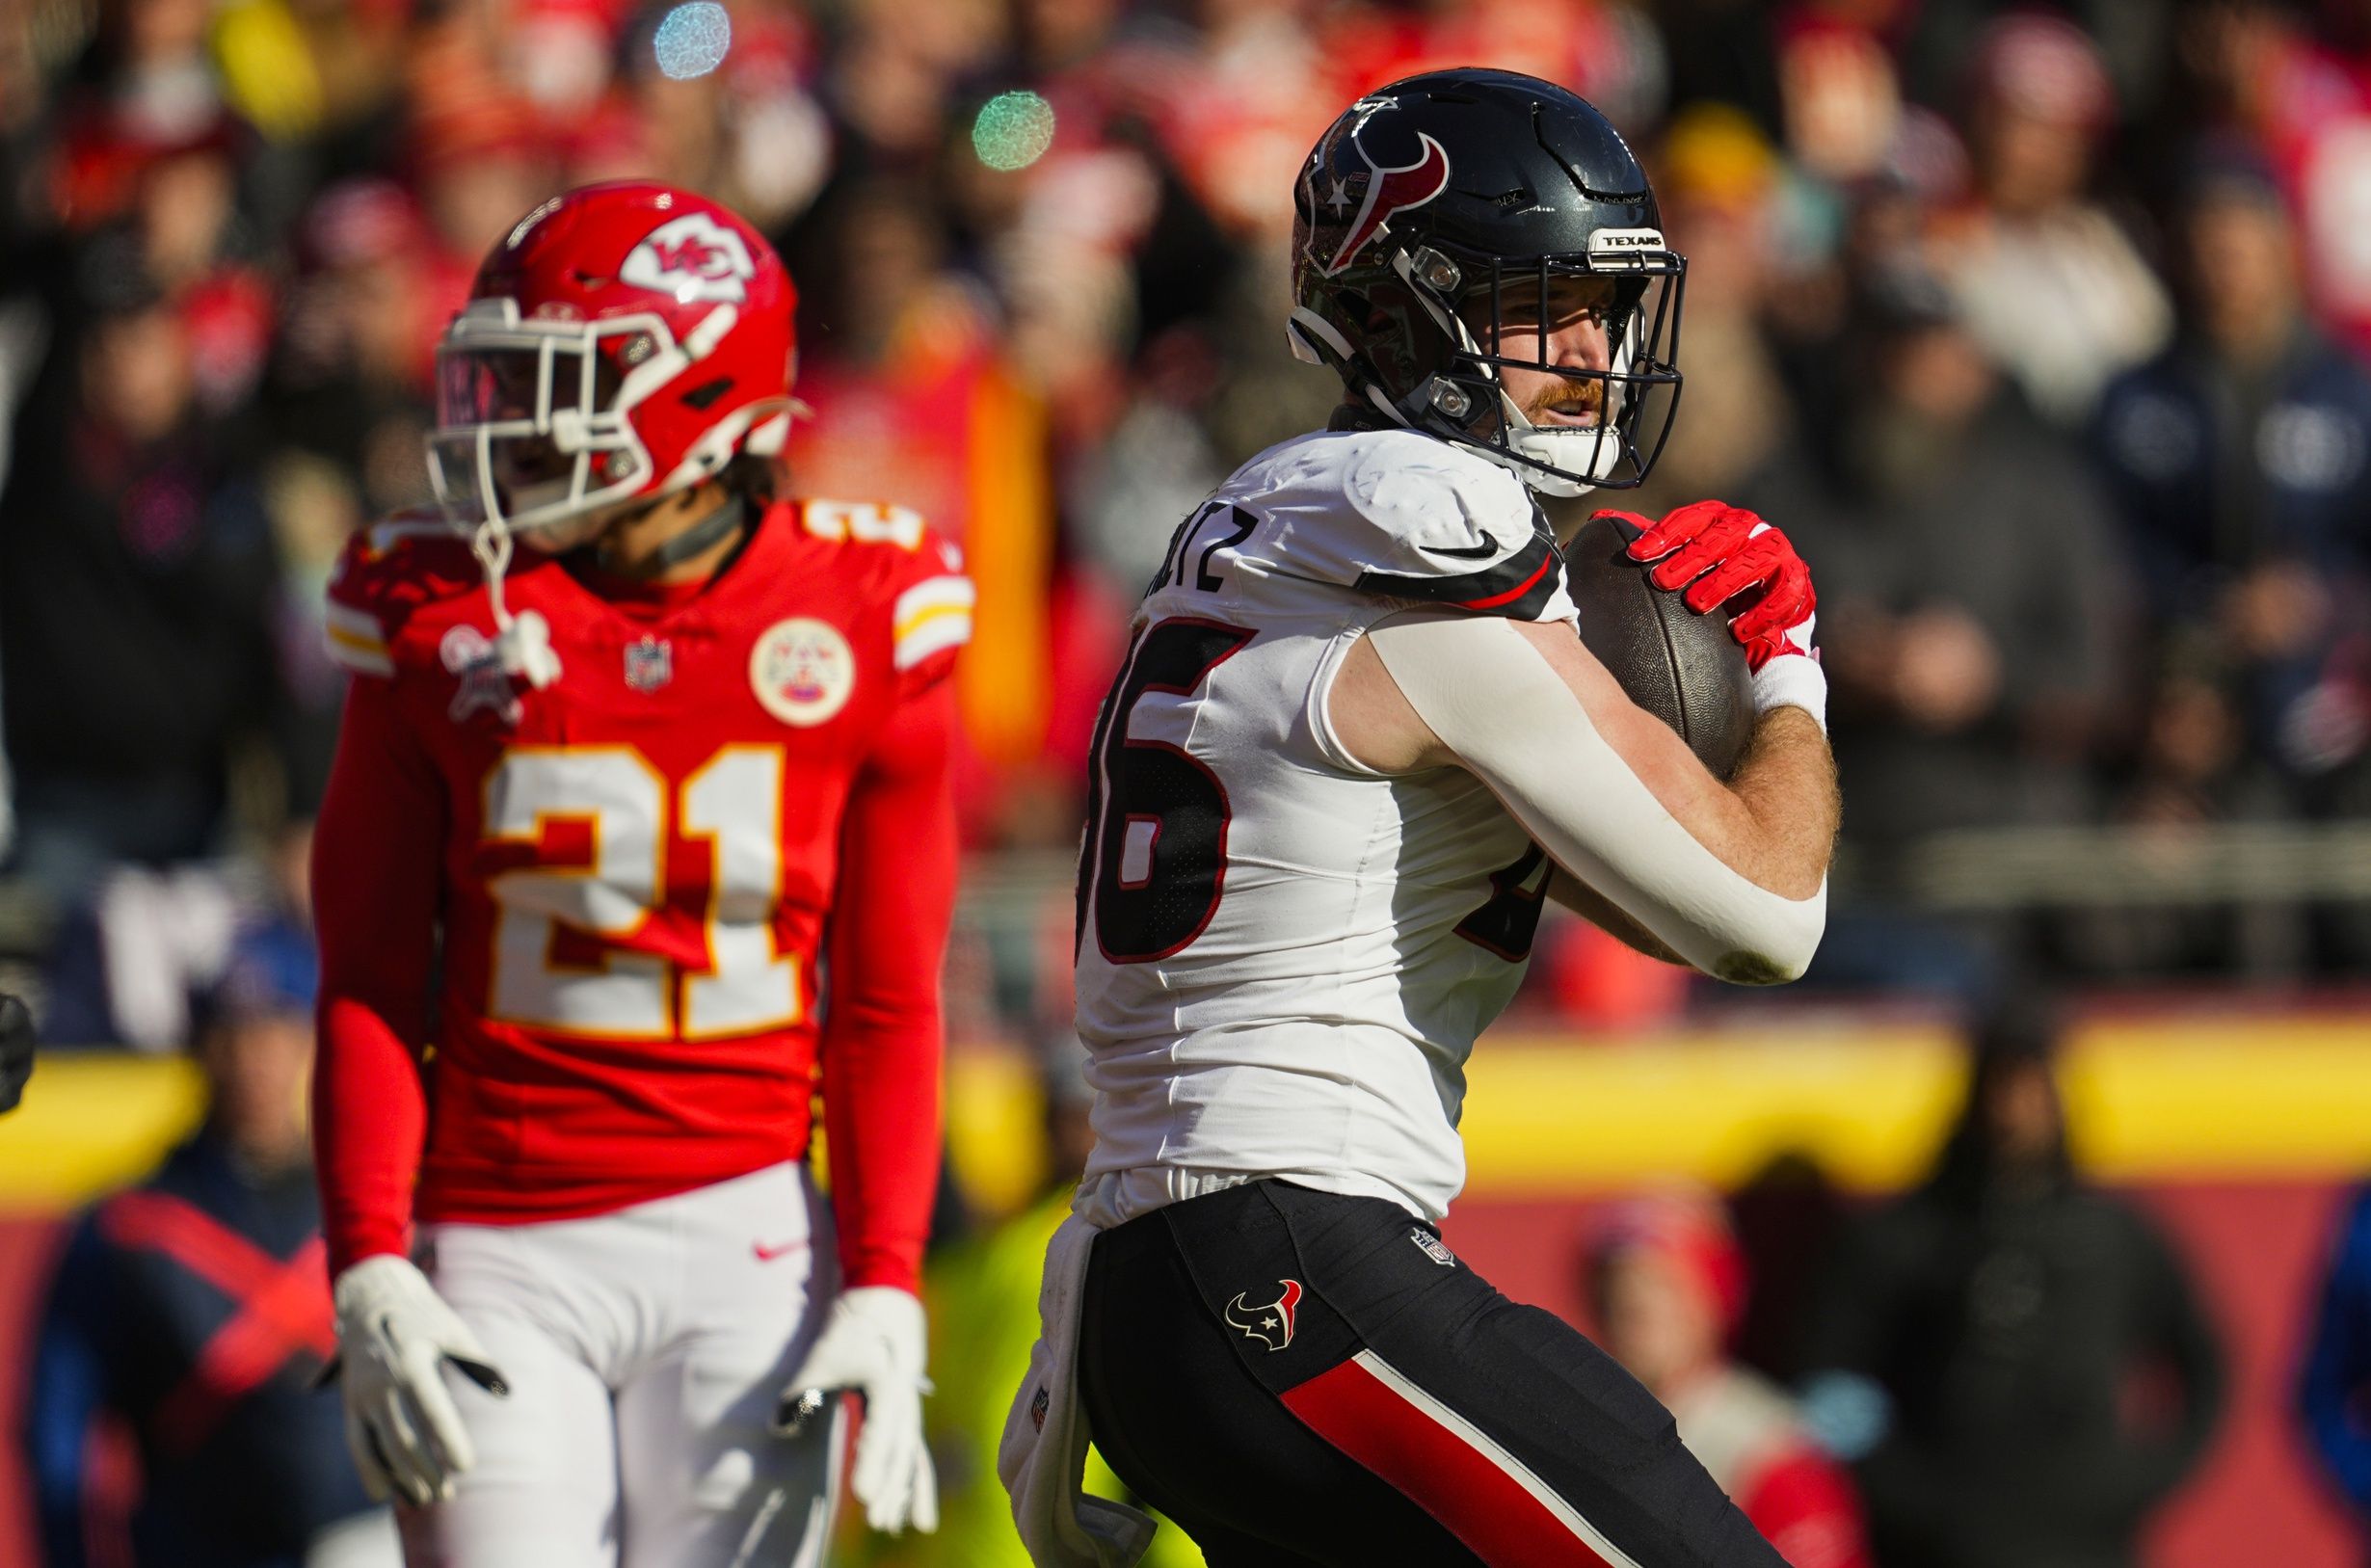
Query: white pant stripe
(1515, 1470)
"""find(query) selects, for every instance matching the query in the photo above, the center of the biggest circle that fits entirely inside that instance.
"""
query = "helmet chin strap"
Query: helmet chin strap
(523, 641)
(728, 520)
(1529, 452)
(1540, 446)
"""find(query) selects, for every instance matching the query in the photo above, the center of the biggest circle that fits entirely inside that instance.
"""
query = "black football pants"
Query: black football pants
(1301, 1378)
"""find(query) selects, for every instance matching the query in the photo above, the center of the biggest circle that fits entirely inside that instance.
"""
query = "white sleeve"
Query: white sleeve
(1515, 725)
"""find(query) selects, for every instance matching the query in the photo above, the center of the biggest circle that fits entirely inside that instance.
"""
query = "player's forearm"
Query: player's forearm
(1787, 785)
(370, 1117)
(882, 1116)
(1662, 842)
(883, 1039)
(1607, 915)
(376, 892)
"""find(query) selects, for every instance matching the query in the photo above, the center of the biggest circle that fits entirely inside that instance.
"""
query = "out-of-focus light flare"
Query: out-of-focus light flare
(1013, 130)
(693, 40)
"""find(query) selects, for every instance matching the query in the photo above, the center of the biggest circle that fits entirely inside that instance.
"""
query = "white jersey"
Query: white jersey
(1283, 957)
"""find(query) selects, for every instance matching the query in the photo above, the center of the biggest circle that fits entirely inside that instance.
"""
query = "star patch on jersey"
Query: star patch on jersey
(1270, 1323)
(803, 670)
(471, 656)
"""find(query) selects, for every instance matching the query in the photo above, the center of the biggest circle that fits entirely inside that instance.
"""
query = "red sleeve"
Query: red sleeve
(882, 1030)
(1804, 1505)
(377, 847)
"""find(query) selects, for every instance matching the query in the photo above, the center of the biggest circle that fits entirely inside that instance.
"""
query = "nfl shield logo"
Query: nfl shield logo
(649, 664)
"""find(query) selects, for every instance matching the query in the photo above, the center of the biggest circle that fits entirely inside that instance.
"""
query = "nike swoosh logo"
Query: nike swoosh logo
(1482, 551)
(766, 1254)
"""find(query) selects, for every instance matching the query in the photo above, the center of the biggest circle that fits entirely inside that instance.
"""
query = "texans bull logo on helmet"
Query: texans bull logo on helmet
(1369, 169)
(1271, 1324)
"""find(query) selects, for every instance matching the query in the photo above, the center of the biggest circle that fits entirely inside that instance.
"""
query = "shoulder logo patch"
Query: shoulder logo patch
(691, 257)
(802, 671)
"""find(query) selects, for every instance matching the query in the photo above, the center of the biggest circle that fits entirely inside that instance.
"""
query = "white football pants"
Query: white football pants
(645, 1350)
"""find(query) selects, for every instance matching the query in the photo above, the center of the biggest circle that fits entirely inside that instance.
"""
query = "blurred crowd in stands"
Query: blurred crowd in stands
(2040, 330)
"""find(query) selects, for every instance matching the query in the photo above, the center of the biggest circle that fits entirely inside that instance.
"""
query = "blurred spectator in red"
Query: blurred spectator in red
(347, 401)
(1820, 297)
(478, 159)
(137, 570)
(2047, 282)
(1838, 86)
(1666, 1285)
(1240, 105)
(714, 99)
(1603, 51)
(2241, 461)
(2016, 1358)
(915, 403)
(192, 1313)
(1584, 980)
(2263, 70)
(351, 380)
(146, 87)
(187, 219)
(1718, 183)
(897, 73)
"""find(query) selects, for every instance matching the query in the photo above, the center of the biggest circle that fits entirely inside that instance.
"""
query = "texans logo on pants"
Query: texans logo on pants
(1271, 1324)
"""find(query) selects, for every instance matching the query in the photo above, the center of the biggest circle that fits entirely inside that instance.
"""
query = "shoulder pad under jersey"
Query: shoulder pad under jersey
(384, 576)
(1403, 515)
(921, 570)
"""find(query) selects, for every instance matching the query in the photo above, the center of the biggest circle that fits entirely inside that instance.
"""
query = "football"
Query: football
(1682, 667)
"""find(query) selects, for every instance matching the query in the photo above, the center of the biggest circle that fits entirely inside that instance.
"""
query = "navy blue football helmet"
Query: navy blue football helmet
(1429, 206)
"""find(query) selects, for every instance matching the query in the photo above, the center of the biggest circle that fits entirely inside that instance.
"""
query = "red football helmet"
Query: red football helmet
(624, 341)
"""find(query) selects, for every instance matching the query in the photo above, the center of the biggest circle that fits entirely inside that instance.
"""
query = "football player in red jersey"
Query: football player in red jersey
(635, 755)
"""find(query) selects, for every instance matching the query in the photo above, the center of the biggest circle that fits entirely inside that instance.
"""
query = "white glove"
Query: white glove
(394, 1334)
(874, 1342)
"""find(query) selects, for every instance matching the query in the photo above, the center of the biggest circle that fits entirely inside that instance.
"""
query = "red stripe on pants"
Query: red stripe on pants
(1435, 1466)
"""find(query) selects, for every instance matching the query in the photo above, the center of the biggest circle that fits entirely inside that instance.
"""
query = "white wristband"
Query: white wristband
(1792, 681)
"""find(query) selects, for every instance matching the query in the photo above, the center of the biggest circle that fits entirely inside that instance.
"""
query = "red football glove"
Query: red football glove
(1710, 553)
(1713, 552)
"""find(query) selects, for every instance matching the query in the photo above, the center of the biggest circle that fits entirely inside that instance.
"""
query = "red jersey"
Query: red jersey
(1744, 1432)
(625, 887)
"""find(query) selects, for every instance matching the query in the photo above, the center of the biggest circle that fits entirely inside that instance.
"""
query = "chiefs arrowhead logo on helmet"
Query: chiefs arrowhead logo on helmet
(1271, 1324)
(692, 258)
(1351, 198)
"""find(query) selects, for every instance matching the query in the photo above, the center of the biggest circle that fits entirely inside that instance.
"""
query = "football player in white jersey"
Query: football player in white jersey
(1356, 740)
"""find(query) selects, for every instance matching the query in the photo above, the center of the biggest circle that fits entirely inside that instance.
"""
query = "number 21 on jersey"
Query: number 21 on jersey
(734, 800)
